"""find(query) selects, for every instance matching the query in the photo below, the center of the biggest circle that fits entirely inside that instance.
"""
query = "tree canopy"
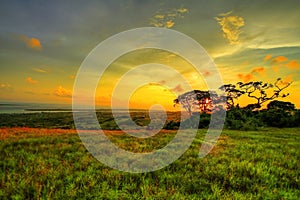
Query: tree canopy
(198, 101)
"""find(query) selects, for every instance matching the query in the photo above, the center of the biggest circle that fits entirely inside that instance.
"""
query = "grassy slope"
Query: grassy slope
(43, 163)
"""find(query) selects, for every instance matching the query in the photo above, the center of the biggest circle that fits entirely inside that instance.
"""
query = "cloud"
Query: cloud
(5, 87)
(32, 43)
(153, 83)
(169, 24)
(207, 73)
(159, 16)
(268, 57)
(31, 81)
(161, 82)
(62, 92)
(182, 10)
(293, 65)
(167, 19)
(250, 76)
(230, 26)
(279, 59)
(283, 61)
(178, 88)
(245, 77)
(40, 70)
(260, 70)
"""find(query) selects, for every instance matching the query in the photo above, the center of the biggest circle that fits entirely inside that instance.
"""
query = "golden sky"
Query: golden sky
(42, 45)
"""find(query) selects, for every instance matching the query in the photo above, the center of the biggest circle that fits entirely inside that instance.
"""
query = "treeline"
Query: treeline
(277, 114)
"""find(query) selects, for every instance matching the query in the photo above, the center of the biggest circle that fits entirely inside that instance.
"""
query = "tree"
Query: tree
(231, 93)
(263, 92)
(281, 105)
(280, 114)
(198, 101)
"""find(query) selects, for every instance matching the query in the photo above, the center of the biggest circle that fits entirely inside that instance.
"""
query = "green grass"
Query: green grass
(244, 165)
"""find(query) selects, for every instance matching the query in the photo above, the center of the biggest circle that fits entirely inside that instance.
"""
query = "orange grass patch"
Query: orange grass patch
(23, 132)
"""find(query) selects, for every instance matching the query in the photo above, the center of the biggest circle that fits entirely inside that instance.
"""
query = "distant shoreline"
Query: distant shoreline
(23, 108)
(83, 110)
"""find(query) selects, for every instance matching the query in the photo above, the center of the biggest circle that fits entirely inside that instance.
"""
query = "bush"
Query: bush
(172, 125)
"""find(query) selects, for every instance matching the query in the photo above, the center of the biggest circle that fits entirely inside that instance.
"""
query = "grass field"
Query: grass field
(53, 164)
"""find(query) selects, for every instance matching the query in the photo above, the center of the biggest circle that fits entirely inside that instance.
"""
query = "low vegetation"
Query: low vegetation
(53, 164)
(278, 114)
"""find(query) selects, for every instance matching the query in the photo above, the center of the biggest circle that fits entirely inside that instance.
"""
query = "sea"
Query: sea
(10, 108)
(15, 108)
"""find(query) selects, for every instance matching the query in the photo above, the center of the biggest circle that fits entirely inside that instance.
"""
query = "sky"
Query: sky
(44, 43)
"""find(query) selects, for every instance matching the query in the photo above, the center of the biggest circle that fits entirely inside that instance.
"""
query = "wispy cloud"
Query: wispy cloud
(62, 92)
(31, 81)
(40, 70)
(32, 43)
(167, 18)
(230, 26)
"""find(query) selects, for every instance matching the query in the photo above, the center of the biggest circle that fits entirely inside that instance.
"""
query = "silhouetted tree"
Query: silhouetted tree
(198, 101)
(282, 105)
(280, 114)
(231, 93)
(263, 92)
